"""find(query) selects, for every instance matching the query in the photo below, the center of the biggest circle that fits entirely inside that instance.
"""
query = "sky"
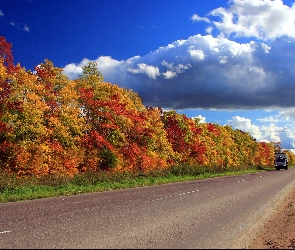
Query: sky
(225, 62)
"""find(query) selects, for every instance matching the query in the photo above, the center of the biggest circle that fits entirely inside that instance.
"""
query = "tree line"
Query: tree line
(52, 125)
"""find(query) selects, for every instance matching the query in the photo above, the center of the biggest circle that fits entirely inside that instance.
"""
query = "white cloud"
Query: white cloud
(1, 13)
(263, 19)
(272, 132)
(207, 72)
(197, 18)
(201, 119)
(169, 74)
(174, 70)
(20, 26)
(151, 71)
(269, 131)
(245, 125)
(196, 53)
(273, 119)
(26, 28)
(209, 30)
(288, 113)
(72, 70)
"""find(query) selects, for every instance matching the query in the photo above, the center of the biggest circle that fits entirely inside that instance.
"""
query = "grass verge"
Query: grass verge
(16, 189)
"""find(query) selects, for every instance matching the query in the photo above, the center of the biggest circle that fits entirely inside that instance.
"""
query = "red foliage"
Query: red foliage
(109, 129)
(265, 154)
(95, 140)
(176, 135)
(6, 53)
(5, 92)
(212, 128)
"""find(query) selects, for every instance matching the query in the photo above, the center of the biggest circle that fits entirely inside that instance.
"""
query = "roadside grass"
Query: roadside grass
(17, 189)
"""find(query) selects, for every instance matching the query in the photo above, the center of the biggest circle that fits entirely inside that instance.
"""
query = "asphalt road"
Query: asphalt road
(224, 212)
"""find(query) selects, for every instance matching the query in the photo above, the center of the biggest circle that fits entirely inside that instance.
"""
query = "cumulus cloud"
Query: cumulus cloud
(288, 114)
(245, 124)
(269, 119)
(217, 72)
(207, 72)
(1, 13)
(278, 128)
(201, 119)
(150, 71)
(172, 70)
(263, 19)
(72, 70)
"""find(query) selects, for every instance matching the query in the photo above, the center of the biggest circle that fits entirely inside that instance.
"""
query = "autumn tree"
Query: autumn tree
(277, 147)
(9, 106)
(6, 53)
(264, 154)
(122, 134)
(52, 125)
(181, 133)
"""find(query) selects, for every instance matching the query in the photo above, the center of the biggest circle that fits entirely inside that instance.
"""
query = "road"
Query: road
(223, 212)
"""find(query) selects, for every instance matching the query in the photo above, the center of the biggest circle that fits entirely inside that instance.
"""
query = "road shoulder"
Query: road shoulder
(279, 231)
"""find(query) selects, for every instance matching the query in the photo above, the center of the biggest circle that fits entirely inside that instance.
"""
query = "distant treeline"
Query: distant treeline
(52, 125)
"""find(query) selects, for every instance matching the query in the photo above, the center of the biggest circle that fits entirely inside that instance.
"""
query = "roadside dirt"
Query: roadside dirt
(279, 232)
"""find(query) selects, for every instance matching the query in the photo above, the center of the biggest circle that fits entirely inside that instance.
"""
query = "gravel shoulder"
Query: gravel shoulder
(279, 231)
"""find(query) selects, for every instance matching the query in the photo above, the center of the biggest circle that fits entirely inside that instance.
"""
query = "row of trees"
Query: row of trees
(52, 125)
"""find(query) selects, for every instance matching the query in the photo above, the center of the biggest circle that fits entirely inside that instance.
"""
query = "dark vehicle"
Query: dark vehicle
(281, 161)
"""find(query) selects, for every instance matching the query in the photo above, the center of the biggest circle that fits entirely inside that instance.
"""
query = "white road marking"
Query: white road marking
(4, 232)
(170, 196)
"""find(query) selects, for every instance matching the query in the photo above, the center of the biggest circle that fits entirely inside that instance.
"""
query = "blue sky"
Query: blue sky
(226, 62)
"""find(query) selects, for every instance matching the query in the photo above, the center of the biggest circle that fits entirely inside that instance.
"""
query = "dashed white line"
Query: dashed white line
(170, 196)
(4, 232)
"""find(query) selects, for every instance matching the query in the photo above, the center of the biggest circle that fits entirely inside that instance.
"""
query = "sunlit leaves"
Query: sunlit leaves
(52, 125)
(6, 53)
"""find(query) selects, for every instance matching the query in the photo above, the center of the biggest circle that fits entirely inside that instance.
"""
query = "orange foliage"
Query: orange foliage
(52, 125)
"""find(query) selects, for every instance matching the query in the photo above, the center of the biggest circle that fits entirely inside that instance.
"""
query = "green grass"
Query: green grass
(17, 189)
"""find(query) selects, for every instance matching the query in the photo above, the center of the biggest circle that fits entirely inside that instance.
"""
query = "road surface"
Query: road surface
(223, 212)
